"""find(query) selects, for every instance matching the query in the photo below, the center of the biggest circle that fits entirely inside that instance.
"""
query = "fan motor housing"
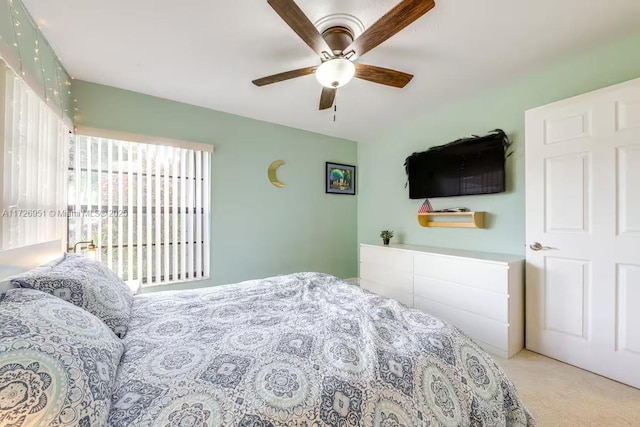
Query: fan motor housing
(338, 38)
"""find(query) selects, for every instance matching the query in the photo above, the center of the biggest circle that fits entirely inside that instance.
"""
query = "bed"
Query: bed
(305, 349)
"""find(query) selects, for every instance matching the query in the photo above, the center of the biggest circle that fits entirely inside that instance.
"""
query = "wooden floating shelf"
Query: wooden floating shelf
(476, 219)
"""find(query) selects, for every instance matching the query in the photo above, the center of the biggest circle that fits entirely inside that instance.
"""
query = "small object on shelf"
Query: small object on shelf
(476, 219)
(386, 236)
(453, 210)
(426, 207)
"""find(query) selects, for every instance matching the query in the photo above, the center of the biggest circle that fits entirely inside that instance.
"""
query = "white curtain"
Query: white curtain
(34, 158)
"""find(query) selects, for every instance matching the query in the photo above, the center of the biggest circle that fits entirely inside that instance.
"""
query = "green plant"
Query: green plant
(386, 234)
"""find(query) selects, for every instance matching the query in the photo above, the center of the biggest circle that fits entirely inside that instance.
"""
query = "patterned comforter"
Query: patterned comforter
(302, 350)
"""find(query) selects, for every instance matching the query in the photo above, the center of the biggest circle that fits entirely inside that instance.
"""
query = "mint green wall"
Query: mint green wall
(257, 230)
(384, 203)
(18, 36)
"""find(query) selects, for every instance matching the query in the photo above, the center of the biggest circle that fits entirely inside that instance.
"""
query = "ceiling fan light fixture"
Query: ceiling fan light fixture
(335, 73)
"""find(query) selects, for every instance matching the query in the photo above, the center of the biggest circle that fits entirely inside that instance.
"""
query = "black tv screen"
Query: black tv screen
(464, 167)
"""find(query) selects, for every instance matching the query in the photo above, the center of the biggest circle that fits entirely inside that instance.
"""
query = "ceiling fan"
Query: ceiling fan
(338, 50)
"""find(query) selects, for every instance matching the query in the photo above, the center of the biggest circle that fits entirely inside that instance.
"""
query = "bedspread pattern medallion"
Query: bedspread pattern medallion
(302, 350)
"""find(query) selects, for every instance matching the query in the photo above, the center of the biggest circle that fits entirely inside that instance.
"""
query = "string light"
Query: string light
(51, 84)
(15, 33)
(37, 58)
(59, 87)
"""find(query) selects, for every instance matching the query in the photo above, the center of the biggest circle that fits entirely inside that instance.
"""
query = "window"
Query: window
(145, 206)
(33, 158)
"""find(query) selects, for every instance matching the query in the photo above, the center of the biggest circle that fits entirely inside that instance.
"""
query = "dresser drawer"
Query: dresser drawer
(477, 274)
(480, 293)
(398, 260)
(479, 301)
(388, 291)
(480, 328)
(401, 281)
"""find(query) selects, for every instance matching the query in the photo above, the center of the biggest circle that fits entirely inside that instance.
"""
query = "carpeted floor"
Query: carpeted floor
(560, 395)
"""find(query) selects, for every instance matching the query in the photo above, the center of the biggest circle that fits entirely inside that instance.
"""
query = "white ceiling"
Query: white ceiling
(205, 53)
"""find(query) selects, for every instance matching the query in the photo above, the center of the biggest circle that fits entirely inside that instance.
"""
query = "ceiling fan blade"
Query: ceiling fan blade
(326, 97)
(384, 76)
(284, 76)
(391, 23)
(298, 21)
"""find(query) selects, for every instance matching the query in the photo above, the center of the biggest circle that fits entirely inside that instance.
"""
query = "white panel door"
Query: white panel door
(583, 231)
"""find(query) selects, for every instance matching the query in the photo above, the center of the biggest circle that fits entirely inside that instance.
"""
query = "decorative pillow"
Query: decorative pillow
(57, 362)
(87, 284)
(8, 271)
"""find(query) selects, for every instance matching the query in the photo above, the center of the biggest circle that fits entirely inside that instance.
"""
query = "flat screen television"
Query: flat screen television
(464, 167)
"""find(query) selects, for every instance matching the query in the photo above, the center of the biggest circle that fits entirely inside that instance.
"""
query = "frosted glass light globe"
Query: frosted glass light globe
(335, 73)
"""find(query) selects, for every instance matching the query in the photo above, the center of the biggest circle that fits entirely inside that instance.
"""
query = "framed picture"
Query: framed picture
(340, 179)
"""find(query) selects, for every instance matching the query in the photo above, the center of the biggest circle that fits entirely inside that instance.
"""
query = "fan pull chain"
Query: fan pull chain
(335, 109)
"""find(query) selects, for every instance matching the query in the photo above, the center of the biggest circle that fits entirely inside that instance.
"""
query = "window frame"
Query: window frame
(205, 205)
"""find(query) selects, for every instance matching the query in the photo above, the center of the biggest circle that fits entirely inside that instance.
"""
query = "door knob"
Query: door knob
(536, 246)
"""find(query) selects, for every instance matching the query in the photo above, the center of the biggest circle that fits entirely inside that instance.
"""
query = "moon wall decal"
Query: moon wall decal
(273, 167)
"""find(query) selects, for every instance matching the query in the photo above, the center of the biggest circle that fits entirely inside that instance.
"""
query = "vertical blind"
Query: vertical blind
(34, 160)
(145, 206)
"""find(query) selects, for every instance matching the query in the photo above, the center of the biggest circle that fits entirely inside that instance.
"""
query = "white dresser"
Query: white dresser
(481, 293)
